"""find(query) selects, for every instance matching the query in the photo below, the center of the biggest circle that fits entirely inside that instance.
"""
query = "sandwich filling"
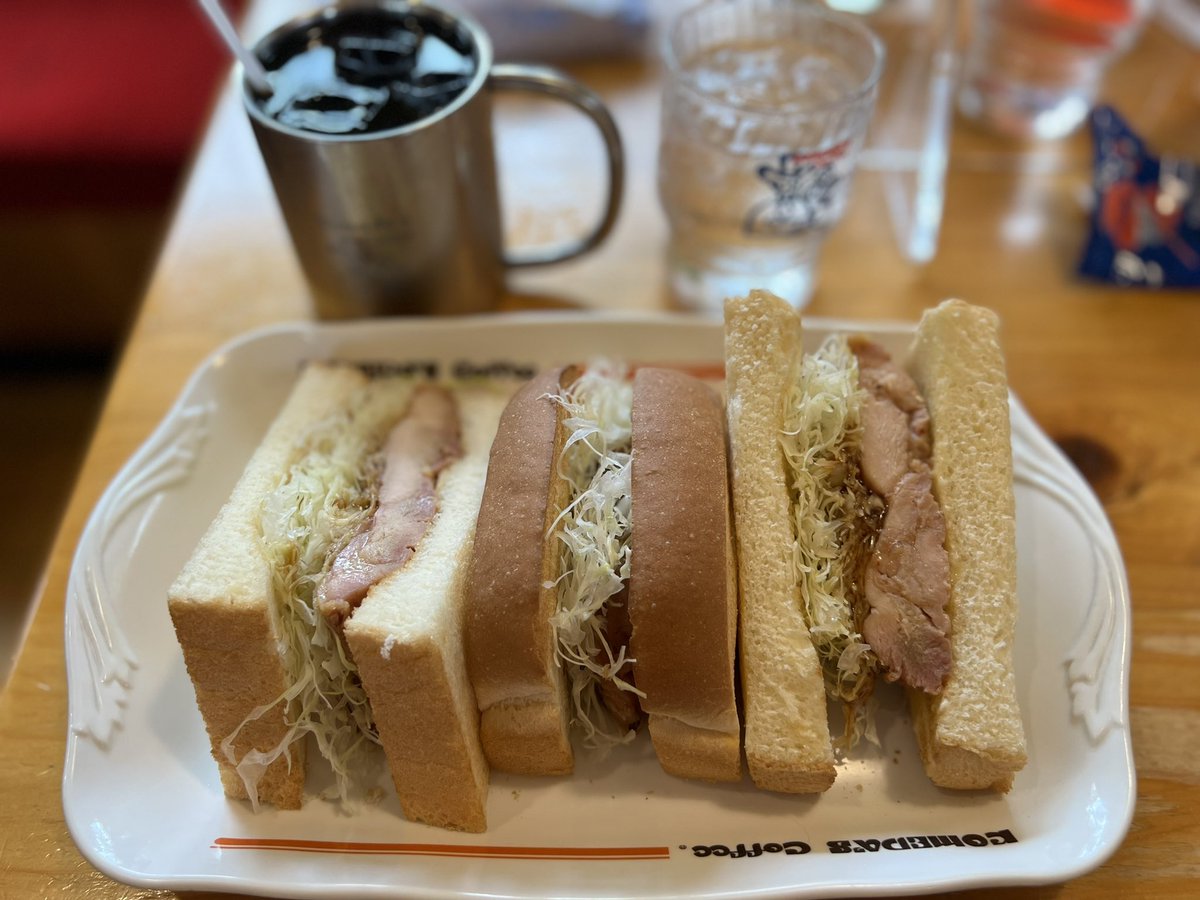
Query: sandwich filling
(833, 514)
(593, 532)
(351, 508)
(424, 442)
(907, 578)
(871, 565)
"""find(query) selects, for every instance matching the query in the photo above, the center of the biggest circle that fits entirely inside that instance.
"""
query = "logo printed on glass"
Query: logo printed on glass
(804, 190)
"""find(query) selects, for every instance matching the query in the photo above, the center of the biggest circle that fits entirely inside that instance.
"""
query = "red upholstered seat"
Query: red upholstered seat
(102, 102)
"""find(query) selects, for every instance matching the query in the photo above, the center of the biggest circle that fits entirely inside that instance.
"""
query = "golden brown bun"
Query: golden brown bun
(510, 644)
(683, 587)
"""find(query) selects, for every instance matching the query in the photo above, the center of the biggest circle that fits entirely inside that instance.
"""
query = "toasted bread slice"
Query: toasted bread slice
(971, 735)
(787, 739)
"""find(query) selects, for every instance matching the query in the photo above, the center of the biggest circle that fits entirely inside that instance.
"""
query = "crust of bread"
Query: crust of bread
(971, 735)
(528, 738)
(220, 604)
(701, 753)
(406, 638)
(510, 644)
(683, 586)
(787, 738)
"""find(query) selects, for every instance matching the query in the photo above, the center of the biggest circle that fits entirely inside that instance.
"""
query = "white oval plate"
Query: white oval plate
(143, 800)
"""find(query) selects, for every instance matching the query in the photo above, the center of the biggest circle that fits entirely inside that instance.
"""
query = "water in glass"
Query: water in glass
(759, 140)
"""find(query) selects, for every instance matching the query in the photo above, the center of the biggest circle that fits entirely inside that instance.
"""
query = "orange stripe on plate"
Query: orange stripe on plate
(459, 850)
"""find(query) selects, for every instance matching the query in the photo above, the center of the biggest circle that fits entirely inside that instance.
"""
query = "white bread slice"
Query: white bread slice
(510, 642)
(406, 638)
(221, 605)
(683, 581)
(787, 738)
(971, 736)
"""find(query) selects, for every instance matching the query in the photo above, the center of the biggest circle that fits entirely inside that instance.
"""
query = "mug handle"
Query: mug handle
(552, 83)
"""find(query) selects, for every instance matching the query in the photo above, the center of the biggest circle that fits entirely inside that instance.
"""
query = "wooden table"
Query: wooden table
(1113, 375)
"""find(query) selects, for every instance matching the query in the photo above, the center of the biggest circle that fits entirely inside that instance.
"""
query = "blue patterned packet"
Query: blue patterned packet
(1145, 228)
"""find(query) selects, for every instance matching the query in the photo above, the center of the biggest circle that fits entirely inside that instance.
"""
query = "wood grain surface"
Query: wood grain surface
(1112, 374)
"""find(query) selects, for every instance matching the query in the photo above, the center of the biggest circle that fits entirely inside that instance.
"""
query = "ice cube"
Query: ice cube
(309, 95)
(374, 60)
(436, 57)
(333, 109)
(441, 87)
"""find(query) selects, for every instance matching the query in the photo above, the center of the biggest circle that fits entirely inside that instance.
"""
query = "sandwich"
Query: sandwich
(322, 608)
(875, 525)
(602, 589)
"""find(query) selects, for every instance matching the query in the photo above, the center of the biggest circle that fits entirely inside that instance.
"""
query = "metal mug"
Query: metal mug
(407, 220)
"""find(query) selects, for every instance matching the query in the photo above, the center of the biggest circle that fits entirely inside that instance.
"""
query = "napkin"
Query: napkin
(1145, 224)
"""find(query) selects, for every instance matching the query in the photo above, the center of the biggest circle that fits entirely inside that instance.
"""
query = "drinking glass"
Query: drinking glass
(1034, 67)
(764, 111)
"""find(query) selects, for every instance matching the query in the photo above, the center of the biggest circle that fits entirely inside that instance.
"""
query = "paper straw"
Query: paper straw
(255, 73)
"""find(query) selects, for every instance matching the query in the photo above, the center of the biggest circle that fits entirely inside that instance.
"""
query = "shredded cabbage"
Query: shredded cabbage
(327, 496)
(595, 542)
(833, 511)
